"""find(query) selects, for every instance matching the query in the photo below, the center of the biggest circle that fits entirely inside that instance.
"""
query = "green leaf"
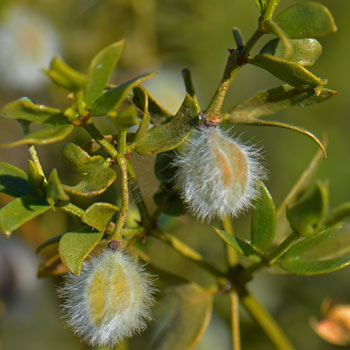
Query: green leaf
(274, 100)
(304, 51)
(146, 119)
(306, 20)
(155, 109)
(305, 216)
(65, 76)
(74, 248)
(337, 214)
(261, 4)
(14, 181)
(297, 259)
(172, 134)
(24, 109)
(242, 247)
(48, 242)
(99, 215)
(170, 202)
(290, 72)
(21, 210)
(163, 168)
(272, 27)
(100, 70)
(112, 98)
(93, 183)
(54, 189)
(126, 118)
(187, 311)
(43, 136)
(35, 178)
(80, 161)
(98, 175)
(263, 222)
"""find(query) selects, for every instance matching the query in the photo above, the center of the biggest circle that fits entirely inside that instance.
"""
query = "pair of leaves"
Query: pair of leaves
(285, 58)
(57, 126)
(304, 258)
(98, 175)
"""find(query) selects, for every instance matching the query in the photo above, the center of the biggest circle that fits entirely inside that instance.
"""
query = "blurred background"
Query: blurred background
(166, 36)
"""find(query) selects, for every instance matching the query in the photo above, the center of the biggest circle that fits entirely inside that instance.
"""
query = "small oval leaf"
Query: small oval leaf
(14, 181)
(24, 109)
(112, 98)
(74, 248)
(188, 312)
(21, 210)
(94, 183)
(98, 215)
(43, 136)
(306, 20)
(290, 72)
(304, 51)
(172, 134)
(101, 68)
(263, 222)
(305, 215)
(242, 247)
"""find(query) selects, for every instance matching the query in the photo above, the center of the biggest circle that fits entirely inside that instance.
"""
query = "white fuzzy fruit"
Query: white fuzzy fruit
(109, 301)
(217, 174)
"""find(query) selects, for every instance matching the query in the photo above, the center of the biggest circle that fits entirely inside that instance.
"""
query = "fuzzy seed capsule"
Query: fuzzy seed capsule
(109, 301)
(217, 174)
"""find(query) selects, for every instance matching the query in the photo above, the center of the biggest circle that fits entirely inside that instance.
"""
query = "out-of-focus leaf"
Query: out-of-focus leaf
(155, 109)
(101, 68)
(337, 214)
(271, 101)
(242, 247)
(126, 118)
(45, 136)
(188, 312)
(290, 72)
(98, 215)
(74, 248)
(98, 176)
(172, 134)
(263, 222)
(306, 20)
(169, 201)
(297, 261)
(21, 210)
(54, 189)
(24, 109)
(306, 214)
(300, 249)
(65, 76)
(163, 168)
(51, 267)
(112, 98)
(304, 51)
(14, 181)
(48, 242)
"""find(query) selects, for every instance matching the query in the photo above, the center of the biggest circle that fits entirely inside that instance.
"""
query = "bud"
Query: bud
(217, 174)
(109, 301)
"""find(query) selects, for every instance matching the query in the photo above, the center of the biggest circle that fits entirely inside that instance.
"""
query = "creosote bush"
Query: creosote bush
(202, 168)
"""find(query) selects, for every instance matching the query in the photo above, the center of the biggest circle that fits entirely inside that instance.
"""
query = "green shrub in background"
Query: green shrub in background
(202, 169)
